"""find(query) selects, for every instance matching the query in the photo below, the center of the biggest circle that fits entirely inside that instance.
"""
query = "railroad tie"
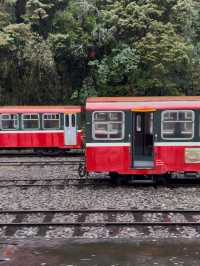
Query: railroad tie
(10, 231)
(43, 229)
(78, 230)
(138, 216)
(113, 230)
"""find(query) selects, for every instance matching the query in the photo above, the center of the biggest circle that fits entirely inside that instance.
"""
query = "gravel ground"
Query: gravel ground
(111, 197)
(94, 198)
(33, 172)
(23, 171)
(90, 198)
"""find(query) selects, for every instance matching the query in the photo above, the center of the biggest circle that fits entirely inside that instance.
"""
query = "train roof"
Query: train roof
(40, 109)
(148, 103)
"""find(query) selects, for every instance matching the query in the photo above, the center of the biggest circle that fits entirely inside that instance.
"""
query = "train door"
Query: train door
(143, 140)
(70, 132)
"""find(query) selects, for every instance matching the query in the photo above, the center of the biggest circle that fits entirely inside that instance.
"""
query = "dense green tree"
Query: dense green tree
(157, 30)
(27, 67)
(61, 51)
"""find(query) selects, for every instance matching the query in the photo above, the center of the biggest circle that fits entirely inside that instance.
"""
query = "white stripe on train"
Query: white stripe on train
(172, 144)
(32, 131)
(156, 144)
(105, 144)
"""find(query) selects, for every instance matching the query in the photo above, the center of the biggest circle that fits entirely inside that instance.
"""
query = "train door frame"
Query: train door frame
(70, 129)
(143, 125)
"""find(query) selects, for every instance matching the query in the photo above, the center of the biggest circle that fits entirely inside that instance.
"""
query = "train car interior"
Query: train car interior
(143, 140)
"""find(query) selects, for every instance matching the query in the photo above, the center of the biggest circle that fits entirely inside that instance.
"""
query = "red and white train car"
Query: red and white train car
(143, 136)
(44, 127)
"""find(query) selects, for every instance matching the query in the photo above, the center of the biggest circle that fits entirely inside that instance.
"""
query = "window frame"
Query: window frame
(178, 111)
(22, 119)
(49, 119)
(107, 122)
(10, 129)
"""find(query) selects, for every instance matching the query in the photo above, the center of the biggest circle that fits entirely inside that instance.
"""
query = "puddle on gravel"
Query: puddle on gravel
(107, 253)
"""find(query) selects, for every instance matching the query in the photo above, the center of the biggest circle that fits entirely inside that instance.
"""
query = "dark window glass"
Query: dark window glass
(51, 121)
(9, 121)
(108, 125)
(178, 124)
(73, 121)
(67, 120)
(30, 121)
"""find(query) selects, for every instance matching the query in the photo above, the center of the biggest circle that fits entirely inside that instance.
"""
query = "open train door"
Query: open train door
(143, 139)
(70, 131)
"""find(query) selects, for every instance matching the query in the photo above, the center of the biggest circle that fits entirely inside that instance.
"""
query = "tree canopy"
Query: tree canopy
(61, 51)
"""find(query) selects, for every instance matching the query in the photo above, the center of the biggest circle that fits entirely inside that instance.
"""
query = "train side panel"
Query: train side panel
(118, 159)
(158, 135)
(40, 139)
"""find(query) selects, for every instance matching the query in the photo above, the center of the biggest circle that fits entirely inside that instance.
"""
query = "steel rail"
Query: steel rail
(52, 182)
(98, 211)
(25, 183)
(98, 224)
(39, 163)
(35, 154)
(95, 224)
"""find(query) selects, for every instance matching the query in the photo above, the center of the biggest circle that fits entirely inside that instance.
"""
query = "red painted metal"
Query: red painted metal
(40, 109)
(131, 103)
(141, 105)
(143, 99)
(119, 159)
(37, 139)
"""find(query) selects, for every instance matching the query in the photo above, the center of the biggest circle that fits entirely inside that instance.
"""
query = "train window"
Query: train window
(100, 116)
(138, 123)
(73, 121)
(108, 125)
(177, 124)
(9, 121)
(51, 121)
(67, 120)
(30, 121)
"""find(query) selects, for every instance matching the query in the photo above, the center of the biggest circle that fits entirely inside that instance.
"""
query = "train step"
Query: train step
(135, 180)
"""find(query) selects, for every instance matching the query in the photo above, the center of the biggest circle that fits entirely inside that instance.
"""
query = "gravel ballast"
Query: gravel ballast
(94, 197)
(103, 198)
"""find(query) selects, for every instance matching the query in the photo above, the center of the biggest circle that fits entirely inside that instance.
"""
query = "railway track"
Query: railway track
(53, 182)
(61, 183)
(40, 163)
(40, 155)
(44, 220)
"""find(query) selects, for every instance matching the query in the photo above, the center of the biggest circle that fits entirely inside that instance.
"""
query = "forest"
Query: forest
(62, 51)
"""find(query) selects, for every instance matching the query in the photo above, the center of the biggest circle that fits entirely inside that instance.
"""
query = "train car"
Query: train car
(143, 137)
(40, 127)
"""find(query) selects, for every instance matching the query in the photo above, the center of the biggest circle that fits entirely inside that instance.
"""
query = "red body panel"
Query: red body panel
(143, 105)
(40, 109)
(131, 103)
(119, 159)
(37, 139)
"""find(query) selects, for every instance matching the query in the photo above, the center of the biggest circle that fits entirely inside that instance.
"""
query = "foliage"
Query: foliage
(62, 51)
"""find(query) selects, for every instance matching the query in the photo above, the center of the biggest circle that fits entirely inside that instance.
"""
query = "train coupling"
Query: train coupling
(82, 171)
